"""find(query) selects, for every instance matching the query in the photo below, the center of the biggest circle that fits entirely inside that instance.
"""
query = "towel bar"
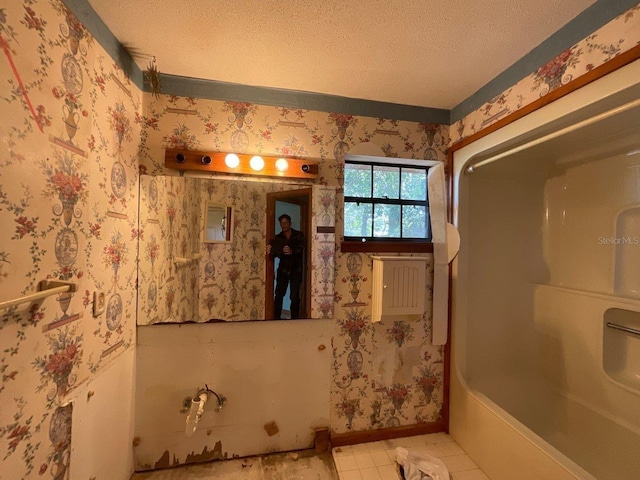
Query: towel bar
(615, 326)
(45, 289)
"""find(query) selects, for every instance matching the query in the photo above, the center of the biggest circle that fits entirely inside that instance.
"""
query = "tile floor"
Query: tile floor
(366, 461)
(376, 460)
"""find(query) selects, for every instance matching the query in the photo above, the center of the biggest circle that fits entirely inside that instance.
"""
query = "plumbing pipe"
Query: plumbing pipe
(195, 412)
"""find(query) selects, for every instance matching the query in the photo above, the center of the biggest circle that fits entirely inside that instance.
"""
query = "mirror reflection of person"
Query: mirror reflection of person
(288, 246)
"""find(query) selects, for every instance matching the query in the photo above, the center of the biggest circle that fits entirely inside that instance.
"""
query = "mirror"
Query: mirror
(217, 223)
(185, 275)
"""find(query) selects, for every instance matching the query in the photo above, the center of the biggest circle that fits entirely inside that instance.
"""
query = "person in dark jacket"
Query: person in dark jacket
(288, 246)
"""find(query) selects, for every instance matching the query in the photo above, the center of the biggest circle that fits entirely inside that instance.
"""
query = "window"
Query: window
(386, 201)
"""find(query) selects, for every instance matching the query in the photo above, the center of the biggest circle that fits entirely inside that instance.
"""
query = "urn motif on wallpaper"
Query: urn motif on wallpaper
(57, 178)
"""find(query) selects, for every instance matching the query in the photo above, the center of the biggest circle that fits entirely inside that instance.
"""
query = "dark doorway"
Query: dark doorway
(297, 202)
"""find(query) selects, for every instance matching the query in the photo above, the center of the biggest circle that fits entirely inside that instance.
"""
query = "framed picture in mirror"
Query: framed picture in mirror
(218, 224)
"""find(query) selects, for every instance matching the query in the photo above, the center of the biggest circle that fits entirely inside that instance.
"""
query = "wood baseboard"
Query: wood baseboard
(352, 438)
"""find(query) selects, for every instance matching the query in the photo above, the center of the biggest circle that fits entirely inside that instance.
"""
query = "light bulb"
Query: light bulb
(256, 163)
(282, 164)
(232, 160)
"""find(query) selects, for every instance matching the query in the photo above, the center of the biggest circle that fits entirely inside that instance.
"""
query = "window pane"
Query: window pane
(386, 221)
(414, 184)
(386, 182)
(357, 180)
(358, 219)
(414, 221)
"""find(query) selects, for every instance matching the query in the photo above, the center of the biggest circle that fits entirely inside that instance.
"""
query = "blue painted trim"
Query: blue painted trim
(294, 99)
(577, 29)
(101, 32)
(587, 22)
(214, 90)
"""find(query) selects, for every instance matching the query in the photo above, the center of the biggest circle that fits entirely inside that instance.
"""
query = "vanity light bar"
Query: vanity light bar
(223, 162)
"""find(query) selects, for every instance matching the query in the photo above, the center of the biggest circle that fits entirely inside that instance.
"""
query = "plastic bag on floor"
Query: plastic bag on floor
(420, 466)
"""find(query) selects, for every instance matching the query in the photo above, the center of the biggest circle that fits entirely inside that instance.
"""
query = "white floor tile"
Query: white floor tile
(476, 474)
(376, 446)
(388, 472)
(376, 460)
(370, 474)
(388, 444)
(380, 458)
(426, 439)
(392, 455)
(351, 475)
(458, 463)
(406, 442)
(443, 437)
(360, 448)
(433, 438)
(346, 463)
(342, 451)
(364, 460)
(442, 450)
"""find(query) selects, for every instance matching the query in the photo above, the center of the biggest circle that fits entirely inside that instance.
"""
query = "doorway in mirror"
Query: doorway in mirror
(296, 205)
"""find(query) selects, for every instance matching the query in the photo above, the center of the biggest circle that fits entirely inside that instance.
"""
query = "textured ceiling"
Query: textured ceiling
(429, 53)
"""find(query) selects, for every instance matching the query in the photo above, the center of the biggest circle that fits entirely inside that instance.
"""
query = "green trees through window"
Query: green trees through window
(385, 201)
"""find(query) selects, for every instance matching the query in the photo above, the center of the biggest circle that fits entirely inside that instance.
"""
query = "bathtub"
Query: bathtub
(545, 377)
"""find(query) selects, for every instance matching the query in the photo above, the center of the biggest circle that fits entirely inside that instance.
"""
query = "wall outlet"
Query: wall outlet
(99, 302)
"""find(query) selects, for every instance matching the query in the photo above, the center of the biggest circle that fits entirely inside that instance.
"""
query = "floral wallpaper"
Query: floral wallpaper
(608, 42)
(323, 241)
(385, 374)
(75, 133)
(213, 125)
(68, 207)
(170, 209)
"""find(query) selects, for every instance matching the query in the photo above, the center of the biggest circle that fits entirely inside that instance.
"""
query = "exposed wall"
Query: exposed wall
(274, 375)
(68, 210)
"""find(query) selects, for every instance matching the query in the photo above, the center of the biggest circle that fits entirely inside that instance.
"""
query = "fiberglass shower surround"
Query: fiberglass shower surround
(550, 269)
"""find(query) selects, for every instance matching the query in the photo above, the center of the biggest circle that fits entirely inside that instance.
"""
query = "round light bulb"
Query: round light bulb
(232, 160)
(282, 164)
(256, 163)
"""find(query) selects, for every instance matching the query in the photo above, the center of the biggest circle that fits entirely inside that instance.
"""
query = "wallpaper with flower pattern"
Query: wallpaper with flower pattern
(73, 132)
(608, 42)
(170, 209)
(68, 211)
